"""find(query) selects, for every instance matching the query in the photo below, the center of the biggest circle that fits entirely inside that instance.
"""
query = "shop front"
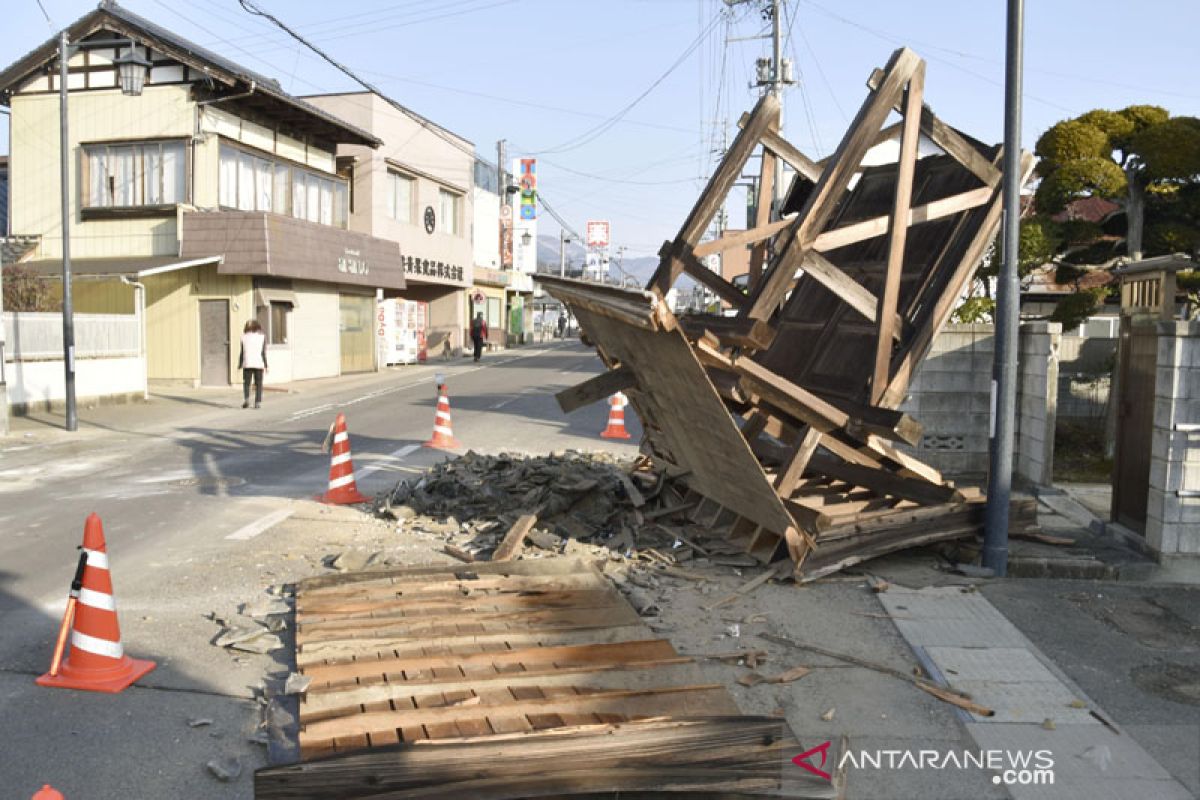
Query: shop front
(489, 295)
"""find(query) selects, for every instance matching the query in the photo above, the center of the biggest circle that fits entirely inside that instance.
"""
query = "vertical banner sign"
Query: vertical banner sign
(506, 237)
(598, 237)
(524, 222)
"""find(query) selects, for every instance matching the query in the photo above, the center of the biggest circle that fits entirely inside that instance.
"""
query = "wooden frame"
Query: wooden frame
(850, 280)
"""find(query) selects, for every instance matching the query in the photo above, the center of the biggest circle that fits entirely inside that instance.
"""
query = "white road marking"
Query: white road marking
(261, 524)
(389, 461)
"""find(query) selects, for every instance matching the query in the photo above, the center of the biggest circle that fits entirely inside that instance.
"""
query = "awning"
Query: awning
(136, 268)
(264, 297)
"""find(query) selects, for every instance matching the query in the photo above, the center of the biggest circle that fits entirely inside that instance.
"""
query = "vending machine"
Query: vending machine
(401, 331)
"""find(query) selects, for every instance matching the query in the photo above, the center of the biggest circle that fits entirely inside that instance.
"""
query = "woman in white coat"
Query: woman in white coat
(253, 362)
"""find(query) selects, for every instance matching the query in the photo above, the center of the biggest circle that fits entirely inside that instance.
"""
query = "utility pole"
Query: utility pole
(65, 177)
(777, 90)
(1004, 366)
(562, 252)
(501, 183)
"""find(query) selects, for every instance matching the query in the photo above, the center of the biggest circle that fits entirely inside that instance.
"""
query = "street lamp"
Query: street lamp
(131, 69)
(563, 240)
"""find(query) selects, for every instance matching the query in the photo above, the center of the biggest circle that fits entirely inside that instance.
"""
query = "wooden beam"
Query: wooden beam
(877, 226)
(729, 331)
(765, 113)
(898, 232)
(784, 149)
(762, 215)
(741, 238)
(884, 135)
(951, 141)
(720, 287)
(911, 464)
(596, 388)
(515, 538)
(883, 482)
(937, 317)
(833, 183)
(848, 290)
(785, 482)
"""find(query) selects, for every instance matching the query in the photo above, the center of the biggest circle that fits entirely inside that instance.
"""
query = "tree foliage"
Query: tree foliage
(25, 290)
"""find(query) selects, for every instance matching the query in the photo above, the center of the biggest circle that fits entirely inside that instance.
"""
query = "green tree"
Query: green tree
(1140, 156)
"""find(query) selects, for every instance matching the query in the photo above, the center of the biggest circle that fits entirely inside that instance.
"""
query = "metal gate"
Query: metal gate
(357, 317)
(1137, 362)
(214, 342)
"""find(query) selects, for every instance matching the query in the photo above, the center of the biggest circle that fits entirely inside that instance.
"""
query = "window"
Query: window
(400, 197)
(252, 182)
(279, 322)
(133, 175)
(449, 212)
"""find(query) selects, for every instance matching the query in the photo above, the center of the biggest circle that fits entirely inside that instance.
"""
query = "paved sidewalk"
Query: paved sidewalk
(963, 639)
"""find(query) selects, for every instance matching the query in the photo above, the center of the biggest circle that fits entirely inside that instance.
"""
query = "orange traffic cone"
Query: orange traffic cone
(48, 792)
(443, 431)
(616, 418)
(342, 488)
(97, 661)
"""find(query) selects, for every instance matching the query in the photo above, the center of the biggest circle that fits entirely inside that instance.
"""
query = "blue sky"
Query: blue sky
(550, 75)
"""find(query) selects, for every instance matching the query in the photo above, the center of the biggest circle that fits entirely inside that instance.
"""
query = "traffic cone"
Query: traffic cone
(616, 418)
(342, 488)
(443, 431)
(48, 792)
(97, 661)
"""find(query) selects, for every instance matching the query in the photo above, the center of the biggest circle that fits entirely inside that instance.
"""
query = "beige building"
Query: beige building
(414, 189)
(211, 198)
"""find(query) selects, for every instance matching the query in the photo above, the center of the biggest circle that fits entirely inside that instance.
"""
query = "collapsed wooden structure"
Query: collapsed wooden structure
(783, 416)
(529, 678)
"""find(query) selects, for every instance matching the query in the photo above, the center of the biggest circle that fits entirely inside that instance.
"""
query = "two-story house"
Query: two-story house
(414, 188)
(211, 198)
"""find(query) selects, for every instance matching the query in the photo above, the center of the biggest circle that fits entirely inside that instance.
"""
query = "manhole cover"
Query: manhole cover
(1177, 682)
(207, 483)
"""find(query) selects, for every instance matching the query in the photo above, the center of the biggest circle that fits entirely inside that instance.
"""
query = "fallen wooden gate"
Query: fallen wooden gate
(783, 417)
(531, 678)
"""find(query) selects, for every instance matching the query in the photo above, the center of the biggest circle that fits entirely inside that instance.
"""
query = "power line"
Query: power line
(44, 14)
(598, 130)
(424, 123)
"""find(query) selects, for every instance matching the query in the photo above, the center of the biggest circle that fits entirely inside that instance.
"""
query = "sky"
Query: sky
(626, 103)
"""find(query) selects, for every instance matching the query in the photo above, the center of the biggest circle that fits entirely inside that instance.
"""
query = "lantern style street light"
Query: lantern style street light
(131, 69)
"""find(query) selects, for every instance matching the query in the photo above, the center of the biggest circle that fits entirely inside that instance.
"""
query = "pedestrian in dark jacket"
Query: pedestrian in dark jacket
(479, 332)
(253, 362)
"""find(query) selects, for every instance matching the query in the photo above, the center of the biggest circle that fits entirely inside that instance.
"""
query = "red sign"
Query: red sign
(597, 233)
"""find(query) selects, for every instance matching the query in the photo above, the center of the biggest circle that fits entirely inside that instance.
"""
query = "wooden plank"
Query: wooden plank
(765, 113)
(940, 313)
(632, 702)
(515, 538)
(449, 572)
(438, 589)
(741, 238)
(848, 290)
(784, 149)
(898, 233)
(883, 482)
(392, 609)
(877, 226)
(699, 271)
(646, 649)
(597, 388)
(833, 183)
(318, 704)
(786, 482)
(910, 463)
(762, 215)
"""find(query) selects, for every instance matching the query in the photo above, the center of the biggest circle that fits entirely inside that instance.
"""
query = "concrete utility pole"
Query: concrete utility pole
(65, 166)
(777, 90)
(1004, 367)
(562, 252)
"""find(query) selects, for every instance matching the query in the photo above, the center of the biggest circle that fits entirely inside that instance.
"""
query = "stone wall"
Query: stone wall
(1173, 507)
(951, 397)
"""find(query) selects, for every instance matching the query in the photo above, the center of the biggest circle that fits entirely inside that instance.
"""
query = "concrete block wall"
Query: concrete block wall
(950, 396)
(1172, 517)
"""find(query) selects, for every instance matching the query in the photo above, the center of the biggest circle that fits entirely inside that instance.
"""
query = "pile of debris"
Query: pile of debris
(577, 496)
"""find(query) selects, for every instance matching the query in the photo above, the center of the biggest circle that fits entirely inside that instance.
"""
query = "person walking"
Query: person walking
(253, 362)
(562, 324)
(479, 332)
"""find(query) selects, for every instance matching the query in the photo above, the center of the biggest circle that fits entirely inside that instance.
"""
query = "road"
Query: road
(165, 486)
(187, 486)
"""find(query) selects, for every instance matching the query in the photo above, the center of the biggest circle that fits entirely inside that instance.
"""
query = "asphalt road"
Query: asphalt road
(211, 470)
